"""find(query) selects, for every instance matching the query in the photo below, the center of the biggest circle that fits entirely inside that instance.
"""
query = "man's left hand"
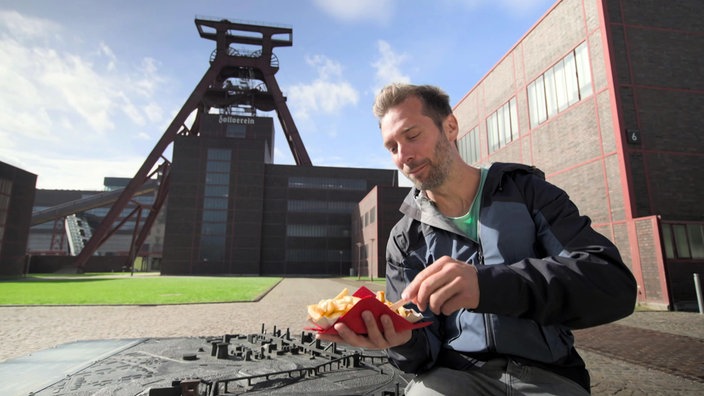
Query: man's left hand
(375, 338)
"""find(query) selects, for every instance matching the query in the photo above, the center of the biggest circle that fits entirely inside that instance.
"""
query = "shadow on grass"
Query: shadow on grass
(57, 280)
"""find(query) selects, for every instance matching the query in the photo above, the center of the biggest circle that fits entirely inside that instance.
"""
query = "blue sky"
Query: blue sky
(88, 87)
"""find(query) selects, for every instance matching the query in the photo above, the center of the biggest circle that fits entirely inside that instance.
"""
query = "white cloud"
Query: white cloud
(28, 28)
(107, 52)
(519, 7)
(149, 78)
(92, 172)
(358, 10)
(327, 94)
(144, 136)
(68, 114)
(154, 112)
(516, 8)
(132, 111)
(388, 66)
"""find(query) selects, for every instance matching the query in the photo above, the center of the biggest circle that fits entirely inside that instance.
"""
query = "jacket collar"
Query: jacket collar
(417, 205)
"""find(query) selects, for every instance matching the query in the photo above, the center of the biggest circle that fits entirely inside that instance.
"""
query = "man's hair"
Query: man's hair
(436, 103)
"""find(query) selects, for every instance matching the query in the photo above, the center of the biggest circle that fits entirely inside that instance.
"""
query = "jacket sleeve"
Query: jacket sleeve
(578, 281)
(421, 352)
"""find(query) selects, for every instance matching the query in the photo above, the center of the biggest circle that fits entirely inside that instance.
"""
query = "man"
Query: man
(498, 259)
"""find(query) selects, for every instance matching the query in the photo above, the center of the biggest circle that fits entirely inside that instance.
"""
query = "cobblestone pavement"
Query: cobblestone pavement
(648, 353)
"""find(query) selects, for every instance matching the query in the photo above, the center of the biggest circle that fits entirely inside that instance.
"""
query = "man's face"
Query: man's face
(418, 148)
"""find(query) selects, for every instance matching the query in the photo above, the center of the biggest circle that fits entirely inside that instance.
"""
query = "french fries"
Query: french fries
(332, 308)
(327, 311)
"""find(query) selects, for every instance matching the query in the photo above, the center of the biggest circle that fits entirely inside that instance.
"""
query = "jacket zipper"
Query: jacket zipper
(488, 326)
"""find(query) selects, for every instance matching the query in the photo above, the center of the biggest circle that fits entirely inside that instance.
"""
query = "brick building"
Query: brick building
(604, 96)
(372, 221)
(16, 196)
(232, 211)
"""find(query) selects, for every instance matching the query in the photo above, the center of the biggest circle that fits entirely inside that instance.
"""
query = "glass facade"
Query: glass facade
(468, 146)
(327, 183)
(5, 191)
(213, 234)
(683, 241)
(564, 84)
(502, 126)
(302, 206)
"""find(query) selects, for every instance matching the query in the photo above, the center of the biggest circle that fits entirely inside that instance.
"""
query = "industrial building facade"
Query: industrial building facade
(232, 211)
(604, 96)
(17, 188)
(372, 221)
(55, 239)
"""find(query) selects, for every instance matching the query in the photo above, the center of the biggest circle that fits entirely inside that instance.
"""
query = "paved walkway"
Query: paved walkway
(648, 353)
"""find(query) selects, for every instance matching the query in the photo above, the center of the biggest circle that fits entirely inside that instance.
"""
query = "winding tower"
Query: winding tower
(239, 81)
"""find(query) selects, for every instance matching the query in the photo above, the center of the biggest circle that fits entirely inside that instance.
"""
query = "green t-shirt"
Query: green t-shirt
(468, 222)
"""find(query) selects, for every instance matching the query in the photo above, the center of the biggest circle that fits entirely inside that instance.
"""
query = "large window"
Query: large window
(469, 146)
(317, 230)
(5, 192)
(683, 241)
(327, 183)
(317, 256)
(213, 233)
(564, 84)
(321, 206)
(502, 126)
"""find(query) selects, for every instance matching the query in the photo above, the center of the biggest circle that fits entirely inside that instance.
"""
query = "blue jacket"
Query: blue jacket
(542, 271)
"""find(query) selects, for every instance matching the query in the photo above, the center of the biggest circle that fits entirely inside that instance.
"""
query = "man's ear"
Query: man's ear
(450, 127)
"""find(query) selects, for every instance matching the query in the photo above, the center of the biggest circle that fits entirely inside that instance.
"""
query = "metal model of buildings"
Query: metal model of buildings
(266, 363)
(605, 97)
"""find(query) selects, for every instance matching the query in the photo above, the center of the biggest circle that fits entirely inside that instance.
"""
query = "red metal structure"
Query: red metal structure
(215, 90)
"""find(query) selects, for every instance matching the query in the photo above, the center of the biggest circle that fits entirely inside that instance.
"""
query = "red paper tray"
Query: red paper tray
(353, 317)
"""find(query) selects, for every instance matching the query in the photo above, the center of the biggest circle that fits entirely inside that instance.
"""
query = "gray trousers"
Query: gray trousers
(496, 377)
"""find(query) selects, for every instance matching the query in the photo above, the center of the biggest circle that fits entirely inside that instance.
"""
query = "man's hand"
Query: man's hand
(445, 286)
(374, 339)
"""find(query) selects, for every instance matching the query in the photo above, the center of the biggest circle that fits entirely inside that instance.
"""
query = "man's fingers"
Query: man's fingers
(374, 335)
(445, 280)
(426, 290)
(411, 291)
(376, 338)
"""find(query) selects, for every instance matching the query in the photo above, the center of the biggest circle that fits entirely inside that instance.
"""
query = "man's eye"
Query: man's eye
(392, 150)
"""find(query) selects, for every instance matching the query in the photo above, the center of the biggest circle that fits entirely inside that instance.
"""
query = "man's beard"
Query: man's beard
(439, 166)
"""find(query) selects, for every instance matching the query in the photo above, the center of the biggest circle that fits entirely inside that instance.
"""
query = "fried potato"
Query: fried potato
(327, 311)
(332, 308)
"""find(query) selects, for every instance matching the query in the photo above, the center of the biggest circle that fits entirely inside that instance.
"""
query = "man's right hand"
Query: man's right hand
(445, 286)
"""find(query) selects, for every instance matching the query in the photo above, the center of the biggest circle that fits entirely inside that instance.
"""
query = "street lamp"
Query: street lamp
(340, 262)
(359, 259)
(371, 262)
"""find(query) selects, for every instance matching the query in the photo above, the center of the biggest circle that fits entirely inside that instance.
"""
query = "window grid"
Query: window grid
(683, 241)
(502, 126)
(327, 183)
(564, 84)
(5, 192)
(213, 233)
(469, 146)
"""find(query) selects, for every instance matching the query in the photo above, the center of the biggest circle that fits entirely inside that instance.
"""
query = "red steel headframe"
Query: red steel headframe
(227, 62)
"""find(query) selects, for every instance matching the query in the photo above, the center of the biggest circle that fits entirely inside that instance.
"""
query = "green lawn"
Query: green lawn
(89, 289)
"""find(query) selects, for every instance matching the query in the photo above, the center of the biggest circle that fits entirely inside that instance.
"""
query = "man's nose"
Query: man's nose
(404, 154)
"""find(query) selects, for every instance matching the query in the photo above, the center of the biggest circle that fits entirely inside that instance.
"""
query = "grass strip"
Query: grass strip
(94, 290)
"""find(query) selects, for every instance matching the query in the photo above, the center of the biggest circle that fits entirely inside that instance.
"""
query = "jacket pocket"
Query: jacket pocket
(525, 338)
